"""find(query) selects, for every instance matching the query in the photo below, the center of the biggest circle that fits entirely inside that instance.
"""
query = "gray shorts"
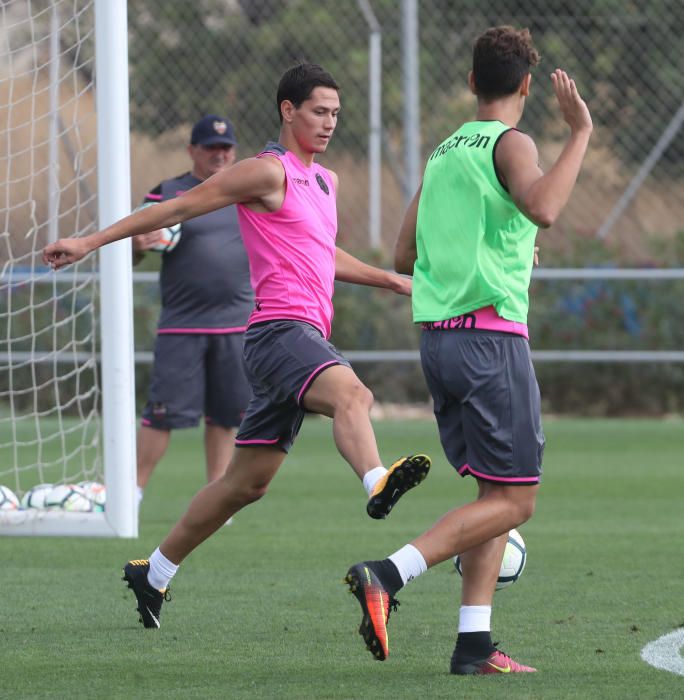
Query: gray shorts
(486, 401)
(195, 375)
(282, 360)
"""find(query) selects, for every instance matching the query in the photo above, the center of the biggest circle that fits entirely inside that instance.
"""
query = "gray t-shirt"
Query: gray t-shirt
(205, 279)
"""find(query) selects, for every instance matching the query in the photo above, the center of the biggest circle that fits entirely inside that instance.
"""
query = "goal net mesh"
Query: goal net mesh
(49, 386)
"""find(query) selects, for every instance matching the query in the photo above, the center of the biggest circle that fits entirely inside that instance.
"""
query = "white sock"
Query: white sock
(475, 618)
(140, 492)
(161, 571)
(372, 477)
(409, 562)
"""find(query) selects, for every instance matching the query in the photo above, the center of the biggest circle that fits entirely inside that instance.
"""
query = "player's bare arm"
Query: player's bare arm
(542, 196)
(254, 181)
(351, 269)
(336, 181)
(405, 250)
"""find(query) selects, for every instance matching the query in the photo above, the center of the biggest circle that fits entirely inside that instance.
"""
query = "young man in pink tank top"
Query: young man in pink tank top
(288, 219)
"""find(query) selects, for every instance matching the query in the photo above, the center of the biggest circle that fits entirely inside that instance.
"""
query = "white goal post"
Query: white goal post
(75, 423)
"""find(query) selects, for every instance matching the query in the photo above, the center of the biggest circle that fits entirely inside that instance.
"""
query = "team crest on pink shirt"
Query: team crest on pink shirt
(321, 183)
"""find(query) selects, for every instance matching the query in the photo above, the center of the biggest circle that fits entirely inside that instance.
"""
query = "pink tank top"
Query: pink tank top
(292, 251)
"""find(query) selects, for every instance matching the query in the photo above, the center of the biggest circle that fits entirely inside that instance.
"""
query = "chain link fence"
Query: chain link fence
(226, 56)
(408, 59)
(627, 58)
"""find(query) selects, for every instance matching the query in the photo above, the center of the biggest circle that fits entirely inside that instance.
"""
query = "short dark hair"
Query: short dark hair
(299, 82)
(502, 57)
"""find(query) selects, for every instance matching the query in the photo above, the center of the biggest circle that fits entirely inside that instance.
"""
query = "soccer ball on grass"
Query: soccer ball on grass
(35, 496)
(70, 497)
(512, 564)
(96, 492)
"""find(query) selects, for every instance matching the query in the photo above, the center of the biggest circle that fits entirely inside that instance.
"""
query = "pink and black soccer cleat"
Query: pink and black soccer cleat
(496, 662)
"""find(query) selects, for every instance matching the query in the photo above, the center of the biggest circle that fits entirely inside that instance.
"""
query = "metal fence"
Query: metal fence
(403, 66)
(639, 348)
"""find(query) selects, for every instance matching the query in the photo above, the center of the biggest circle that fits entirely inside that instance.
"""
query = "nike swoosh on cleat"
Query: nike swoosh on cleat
(156, 621)
(500, 669)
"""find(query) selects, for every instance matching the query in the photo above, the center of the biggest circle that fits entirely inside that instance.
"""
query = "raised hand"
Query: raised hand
(574, 108)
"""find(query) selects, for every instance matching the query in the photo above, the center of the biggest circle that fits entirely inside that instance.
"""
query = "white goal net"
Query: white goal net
(50, 387)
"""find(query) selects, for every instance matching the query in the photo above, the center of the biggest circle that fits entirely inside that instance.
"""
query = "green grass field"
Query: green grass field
(260, 610)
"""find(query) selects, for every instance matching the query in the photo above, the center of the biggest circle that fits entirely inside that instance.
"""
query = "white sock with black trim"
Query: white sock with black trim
(410, 563)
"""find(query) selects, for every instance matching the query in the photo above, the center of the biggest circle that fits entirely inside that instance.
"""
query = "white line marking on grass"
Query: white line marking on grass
(664, 652)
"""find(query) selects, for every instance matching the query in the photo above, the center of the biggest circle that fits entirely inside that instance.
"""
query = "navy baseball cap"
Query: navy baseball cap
(211, 129)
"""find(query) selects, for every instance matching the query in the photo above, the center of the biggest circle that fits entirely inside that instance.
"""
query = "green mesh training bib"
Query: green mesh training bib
(475, 247)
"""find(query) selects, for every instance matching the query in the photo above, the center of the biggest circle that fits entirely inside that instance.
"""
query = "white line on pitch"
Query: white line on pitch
(664, 652)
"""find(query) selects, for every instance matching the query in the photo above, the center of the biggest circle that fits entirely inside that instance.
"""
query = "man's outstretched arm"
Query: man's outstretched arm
(247, 181)
(351, 269)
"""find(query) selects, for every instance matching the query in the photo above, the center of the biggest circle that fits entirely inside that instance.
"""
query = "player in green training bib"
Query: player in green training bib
(474, 246)
(468, 239)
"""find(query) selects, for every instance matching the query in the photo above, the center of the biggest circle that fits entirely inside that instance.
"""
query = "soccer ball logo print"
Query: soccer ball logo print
(8, 499)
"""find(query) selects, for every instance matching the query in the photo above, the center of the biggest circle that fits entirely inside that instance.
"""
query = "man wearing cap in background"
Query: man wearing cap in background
(206, 299)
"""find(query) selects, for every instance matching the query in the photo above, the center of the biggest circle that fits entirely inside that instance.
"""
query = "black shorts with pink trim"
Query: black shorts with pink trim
(282, 359)
(487, 404)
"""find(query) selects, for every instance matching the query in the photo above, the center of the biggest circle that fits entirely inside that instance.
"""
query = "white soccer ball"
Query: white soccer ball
(169, 236)
(69, 497)
(168, 240)
(96, 492)
(8, 499)
(512, 564)
(35, 496)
